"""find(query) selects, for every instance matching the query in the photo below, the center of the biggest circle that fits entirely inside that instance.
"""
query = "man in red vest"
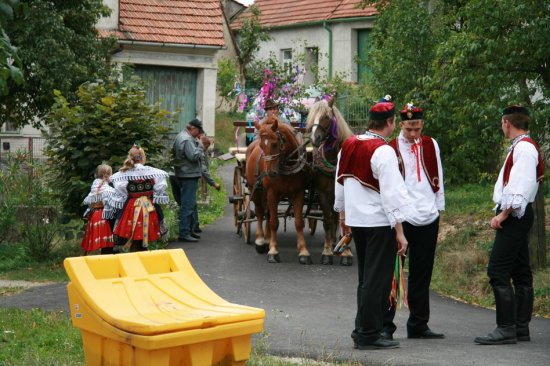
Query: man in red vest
(515, 190)
(370, 196)
(420, 165)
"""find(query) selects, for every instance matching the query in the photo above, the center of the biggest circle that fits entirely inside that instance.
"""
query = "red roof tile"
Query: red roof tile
(287, 12)
(197, 22)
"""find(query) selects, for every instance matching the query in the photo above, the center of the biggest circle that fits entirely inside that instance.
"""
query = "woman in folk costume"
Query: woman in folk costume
(138, 191)
(98, 234)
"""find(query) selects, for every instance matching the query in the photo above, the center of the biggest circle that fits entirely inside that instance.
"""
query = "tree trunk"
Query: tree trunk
(537, 236)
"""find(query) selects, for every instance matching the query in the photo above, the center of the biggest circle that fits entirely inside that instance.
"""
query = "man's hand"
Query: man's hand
(496, 222)
(402, 243)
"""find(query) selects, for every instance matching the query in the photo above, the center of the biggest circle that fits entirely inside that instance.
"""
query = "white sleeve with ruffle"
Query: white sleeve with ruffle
(393, 192)
(522, 184)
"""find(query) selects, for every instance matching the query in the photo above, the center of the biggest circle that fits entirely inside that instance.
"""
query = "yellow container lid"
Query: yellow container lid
(151, 293)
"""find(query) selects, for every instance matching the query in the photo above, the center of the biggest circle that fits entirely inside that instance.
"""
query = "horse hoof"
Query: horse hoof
(260, 241)
(346, 261)
(326, 259)
(273, 258)
(262, 249)
(305, 259)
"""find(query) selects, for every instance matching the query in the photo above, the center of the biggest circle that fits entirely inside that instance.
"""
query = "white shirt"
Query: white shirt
(522, 184)
(99, 192)
(365, 207)
(426, 203)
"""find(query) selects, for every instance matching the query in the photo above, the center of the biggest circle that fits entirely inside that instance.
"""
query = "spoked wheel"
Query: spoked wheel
(238, 197)
(247, 215)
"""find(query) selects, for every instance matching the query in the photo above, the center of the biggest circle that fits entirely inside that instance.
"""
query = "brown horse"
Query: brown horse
(274, 170)
(328, 130)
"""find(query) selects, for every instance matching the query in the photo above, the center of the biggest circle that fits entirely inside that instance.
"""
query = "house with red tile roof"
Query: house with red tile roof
(331, 34)
(174, 46)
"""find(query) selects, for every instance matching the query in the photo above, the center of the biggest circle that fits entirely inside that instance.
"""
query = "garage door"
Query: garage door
(175, 87)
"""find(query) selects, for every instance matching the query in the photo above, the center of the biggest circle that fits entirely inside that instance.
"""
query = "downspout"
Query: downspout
(326, 27)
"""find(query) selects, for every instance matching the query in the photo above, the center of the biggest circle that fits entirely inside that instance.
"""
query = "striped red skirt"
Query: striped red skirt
(139, 220)
(98, 233)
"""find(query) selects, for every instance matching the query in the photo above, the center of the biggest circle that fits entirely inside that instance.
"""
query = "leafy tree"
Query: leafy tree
(227, 75)
(249, 38)
(59, 49)
(101, 125)
(464, 61)
(10, 62)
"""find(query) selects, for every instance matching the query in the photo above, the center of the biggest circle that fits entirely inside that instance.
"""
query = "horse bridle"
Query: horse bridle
(284, 167)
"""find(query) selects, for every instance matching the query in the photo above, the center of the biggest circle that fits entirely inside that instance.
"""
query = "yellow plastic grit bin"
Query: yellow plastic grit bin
(152, 308)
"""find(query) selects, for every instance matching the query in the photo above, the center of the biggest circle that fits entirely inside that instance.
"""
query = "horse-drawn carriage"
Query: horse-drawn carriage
(279, 173)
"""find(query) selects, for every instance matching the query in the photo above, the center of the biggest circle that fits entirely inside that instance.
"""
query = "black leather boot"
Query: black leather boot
(505, 332)
(524, 305)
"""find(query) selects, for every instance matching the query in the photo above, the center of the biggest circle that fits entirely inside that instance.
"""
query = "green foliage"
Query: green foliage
(59, 49)
(107, 118)
(463, 62)
(10, 63)
(227, 76)
(250, 36)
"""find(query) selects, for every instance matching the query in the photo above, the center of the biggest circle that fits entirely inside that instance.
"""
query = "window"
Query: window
(10, 127)
(287, 60)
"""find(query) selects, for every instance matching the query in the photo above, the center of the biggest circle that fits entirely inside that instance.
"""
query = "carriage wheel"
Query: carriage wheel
(247, 216)
(237, 192)
(312, 224)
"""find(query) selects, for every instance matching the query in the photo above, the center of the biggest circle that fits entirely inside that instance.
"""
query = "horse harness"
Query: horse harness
(288, 165)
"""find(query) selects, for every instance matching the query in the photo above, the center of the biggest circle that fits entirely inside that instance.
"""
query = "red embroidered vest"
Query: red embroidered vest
(510, 161)
(428, 158)
(355, 160)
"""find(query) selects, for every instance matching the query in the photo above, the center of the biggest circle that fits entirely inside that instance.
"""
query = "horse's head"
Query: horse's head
(272, 144)
(326, 125)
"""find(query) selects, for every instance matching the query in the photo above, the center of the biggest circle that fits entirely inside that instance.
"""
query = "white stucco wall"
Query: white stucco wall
(344, 44)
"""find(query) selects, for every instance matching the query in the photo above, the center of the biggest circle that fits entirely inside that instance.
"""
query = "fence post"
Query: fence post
(537, 235)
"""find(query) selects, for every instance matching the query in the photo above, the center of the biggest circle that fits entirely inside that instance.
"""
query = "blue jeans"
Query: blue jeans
(188, 196)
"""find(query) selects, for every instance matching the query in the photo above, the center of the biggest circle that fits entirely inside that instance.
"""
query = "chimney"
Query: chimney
(111, 22)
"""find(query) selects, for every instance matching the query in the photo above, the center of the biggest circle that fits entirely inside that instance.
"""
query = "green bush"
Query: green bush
(108, 117)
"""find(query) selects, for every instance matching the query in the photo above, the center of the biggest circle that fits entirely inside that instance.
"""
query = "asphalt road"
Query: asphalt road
(310, 309)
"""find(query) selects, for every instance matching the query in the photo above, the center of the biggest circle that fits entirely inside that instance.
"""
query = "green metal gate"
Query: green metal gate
(175, 87)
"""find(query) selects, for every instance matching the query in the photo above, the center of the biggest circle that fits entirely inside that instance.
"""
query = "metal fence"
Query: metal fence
(33, 146)
(355, 111)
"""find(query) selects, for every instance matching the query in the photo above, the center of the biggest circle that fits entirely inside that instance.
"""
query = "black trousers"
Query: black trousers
(421, 252)
(509, 258)
(376, 248)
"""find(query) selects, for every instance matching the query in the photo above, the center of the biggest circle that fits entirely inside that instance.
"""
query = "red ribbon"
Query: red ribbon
(415, 148)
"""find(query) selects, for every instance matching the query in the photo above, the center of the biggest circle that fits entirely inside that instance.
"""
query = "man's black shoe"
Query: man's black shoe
(427, 334)
(188, 238)
(198, 230)
(196, 236)
(386, 335)
(501, 335)
(380, 343)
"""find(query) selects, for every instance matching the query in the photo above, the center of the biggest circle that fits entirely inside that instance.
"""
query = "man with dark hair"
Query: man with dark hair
(370, 195)
(187, 153)
(509, 263)
(420, 165)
